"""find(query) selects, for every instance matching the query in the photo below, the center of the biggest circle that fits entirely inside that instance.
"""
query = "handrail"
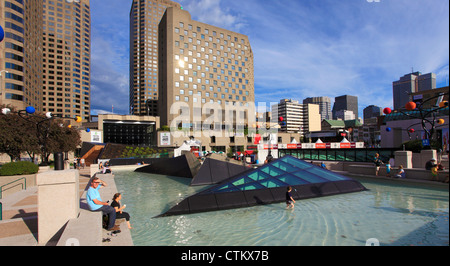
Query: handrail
(25, 181)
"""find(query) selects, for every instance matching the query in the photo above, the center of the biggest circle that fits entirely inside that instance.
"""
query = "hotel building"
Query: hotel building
(203, 65)
(144, 21)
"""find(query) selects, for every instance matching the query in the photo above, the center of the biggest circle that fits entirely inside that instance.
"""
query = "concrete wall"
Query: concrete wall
(58, 201)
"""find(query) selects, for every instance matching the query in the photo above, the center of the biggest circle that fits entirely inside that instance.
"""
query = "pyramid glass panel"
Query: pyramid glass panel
(309, 177)
(272, 171)
(292, 180)
(330, 176)
(296, 162)
(258, 175)
(285, 166)
(266, 185)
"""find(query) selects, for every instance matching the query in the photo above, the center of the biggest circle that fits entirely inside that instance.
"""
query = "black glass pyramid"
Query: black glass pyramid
(267, 184)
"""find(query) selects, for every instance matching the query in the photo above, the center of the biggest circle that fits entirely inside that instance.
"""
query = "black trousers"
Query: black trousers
(123, 215)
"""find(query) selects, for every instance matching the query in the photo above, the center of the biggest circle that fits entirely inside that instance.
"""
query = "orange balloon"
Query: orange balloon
(410, 106)
(443, 104)
(441, 121)
(78, 119)
(69, 126)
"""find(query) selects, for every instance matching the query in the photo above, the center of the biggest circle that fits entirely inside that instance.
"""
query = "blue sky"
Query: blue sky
(302, 48)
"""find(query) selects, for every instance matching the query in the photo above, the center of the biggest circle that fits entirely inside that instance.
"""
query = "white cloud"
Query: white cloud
(213, 12)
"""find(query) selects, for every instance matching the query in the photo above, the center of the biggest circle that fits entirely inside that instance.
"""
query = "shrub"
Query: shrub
(19, 168)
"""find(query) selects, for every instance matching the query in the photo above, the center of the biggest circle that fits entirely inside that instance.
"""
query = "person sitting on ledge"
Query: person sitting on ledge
(119, 210)
(95, 203)
(430, 164)
(401, 172)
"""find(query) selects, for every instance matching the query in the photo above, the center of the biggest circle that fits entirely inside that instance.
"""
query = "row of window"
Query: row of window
(203, 100)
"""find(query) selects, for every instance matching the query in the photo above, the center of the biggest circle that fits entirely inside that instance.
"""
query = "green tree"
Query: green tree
(35, 134)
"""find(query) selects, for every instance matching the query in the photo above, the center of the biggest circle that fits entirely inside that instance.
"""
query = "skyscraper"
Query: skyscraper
(345, 102)
(324, 106)
(202, 64)
(144, 21)
(411, 83)
(67, 58)
(46, 56)
(21, 54)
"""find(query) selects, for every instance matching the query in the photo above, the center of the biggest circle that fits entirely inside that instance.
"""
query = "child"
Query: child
(289, 200)
(401, 172)
(434, 173)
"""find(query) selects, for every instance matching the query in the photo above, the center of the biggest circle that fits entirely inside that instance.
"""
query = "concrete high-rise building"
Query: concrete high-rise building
(324, 106)
(299, 118)
(202, 64)
(67, 58)
(21, 54)
(372, 111)
(46, 56)
(345, 102)
(144, 20)
(409, 84)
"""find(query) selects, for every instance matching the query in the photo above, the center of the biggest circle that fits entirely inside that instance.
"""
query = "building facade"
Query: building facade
(144, 20)
(66, 61)
(20, 54)
(409, 84)
(298, 118)
(204, 67)
(45, 60)
(345, 102)
(324, 106)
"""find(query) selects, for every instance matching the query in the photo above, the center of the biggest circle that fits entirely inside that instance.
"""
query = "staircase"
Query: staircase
(91, 156)
(19, 218)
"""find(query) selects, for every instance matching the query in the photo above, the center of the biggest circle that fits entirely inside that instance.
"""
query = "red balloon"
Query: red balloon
(412, 130)
(387, 111)
(410, 106)
(281, 119)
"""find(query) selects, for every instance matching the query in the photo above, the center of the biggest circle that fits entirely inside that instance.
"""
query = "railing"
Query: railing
(346, 155)
(24, 185)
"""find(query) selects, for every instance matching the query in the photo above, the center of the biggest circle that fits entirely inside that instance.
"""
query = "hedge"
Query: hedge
(18, 168)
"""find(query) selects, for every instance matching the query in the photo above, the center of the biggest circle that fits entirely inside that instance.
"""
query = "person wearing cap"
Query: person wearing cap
(430, 164)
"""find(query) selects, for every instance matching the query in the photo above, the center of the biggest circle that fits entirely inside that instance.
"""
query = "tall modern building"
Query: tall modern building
(324, 106)
(372, 111)
(21, 54)
(144, 20)
(45, 57)
(345, 102)
(299, 118)
(66, 55)
(409, 84)
(201, 64)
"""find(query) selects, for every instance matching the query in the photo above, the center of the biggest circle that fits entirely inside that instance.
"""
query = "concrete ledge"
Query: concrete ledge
(423, 174)
(410, 173)
(87, 228)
